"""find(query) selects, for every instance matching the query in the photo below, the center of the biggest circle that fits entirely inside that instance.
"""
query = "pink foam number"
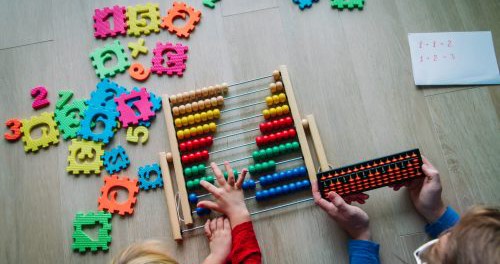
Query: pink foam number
(176, 59)
(40, 95)
(140, 103)
(102, 26)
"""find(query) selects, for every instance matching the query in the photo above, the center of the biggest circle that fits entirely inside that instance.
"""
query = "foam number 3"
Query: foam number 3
(15, 129)
(133, 134)
(40, 95)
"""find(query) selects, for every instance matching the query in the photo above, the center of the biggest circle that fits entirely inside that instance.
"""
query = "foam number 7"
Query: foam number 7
(40, 95)
(133, 134)
(15, 129)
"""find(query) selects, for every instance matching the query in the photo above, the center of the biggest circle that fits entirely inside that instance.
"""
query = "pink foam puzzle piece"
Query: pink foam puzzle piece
(176, 63)
(102, 27)
(140, 102)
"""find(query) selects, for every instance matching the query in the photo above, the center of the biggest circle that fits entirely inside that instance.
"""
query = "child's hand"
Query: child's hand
(229, 198)
(351, 218)
(426, 193)
(218, 232)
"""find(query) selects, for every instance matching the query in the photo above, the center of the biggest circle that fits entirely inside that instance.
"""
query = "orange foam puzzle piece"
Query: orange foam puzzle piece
(180, 10)
(108, 201)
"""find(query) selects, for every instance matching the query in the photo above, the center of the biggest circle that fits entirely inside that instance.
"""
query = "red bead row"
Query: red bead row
(274, 125)
(196, 144)
(275, 137)
(195, 157)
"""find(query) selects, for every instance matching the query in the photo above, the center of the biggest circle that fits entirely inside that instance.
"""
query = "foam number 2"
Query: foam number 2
(40, 95)
(133, 134)
(15, 129)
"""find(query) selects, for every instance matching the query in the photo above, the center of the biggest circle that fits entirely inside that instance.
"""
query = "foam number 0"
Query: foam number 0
(15, 129)
(40, 95)
(133, 134)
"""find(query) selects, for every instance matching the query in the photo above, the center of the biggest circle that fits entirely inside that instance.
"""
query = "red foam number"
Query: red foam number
(40, 95)
(15, 129)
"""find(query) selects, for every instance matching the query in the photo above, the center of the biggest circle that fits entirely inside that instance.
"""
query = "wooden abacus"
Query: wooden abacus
(190, 122)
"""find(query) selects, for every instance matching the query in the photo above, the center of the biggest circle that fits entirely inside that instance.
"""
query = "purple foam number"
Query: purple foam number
(176, 59)
(102, 26)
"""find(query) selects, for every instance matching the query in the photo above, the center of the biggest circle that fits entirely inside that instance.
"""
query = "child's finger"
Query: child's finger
(218, 174)
(213, 225)
(227, 225)
(209, 205)
(208, 233)
(241, 179)
(324, 204)
(210, 188)
(220, 223)
(230, 173)
(338, 201)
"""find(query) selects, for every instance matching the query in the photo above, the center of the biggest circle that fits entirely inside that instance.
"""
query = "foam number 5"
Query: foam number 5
(40, 95)
(15, 129)
(133, 134)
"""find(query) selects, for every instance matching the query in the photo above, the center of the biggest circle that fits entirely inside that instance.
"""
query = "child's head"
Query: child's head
(152, 251)
(475, 239)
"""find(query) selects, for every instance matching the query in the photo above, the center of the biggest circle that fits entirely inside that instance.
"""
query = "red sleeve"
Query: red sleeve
(245, 248)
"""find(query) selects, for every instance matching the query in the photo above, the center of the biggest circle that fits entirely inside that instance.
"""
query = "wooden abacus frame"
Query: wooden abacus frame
(175, 157)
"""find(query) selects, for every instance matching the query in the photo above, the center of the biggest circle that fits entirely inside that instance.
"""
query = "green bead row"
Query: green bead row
(195, 184)
(271, 152)
(262, 167)
(196, 170)
(235, 171)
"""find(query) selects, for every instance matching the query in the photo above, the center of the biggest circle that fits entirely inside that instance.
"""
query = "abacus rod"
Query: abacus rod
(235, 134)
(249, 157)
(251, 80)
(243, 106)
(260, 211)
(230, 148)
(247, 93)
(238, 120)
(289, 160)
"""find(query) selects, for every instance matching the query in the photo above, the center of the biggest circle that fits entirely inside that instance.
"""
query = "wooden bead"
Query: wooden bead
(175, 111)
(182, 109)
(198, 93)
(185, 97)
(208, 104)
(173, 99)
(213, 101)
(272, 87)
(194, 105)
(201, 105)
(204, 91)
(210, 90)
(192, 95)
(220, 100)
(225, 88)
(170, 158)
(189, 109)
(279, 87)
(276, 75)
(305, 123)
(217, 89)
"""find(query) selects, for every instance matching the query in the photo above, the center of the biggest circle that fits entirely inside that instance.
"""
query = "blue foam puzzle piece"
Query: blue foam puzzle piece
(304, 3)
(115, 160)
(103, 96)
(93, 114)
(144, 175)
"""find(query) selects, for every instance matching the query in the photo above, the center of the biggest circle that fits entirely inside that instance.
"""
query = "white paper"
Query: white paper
(453, 58)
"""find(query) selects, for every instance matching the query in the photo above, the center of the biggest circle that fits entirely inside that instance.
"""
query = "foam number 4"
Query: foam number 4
(133, 134)
(15, 130)
(40, 95)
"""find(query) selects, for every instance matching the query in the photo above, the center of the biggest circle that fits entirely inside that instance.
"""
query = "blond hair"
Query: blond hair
(147, 252)
(475, 239)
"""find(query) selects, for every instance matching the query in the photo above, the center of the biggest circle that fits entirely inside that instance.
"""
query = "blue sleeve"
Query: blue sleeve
(363, 252)
(447, 220)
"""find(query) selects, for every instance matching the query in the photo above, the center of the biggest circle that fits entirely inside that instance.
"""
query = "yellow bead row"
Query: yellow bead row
(198, 106)
(204, 92)
(197, 118)
(276, 111)
(275, 99)
(196, 131)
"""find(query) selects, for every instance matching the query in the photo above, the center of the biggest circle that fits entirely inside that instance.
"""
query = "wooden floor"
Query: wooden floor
(350, 69)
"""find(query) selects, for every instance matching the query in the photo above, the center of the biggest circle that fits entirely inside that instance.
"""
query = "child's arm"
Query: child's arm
(229, 200)
(355, 222)
(426, 197)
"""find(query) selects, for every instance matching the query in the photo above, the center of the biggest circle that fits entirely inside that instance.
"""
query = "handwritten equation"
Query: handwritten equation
(436, 50)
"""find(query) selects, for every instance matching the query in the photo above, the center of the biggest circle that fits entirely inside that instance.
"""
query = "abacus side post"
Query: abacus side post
(301, 134)
(318, 144)
(176, 157)
(170, 197)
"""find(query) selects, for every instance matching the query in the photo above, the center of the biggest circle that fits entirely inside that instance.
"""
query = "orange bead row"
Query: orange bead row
(198, 94)
(198, 106)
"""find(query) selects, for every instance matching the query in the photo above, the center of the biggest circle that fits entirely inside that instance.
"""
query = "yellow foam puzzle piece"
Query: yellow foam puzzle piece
(50, 134)
(85, 157)
(138, 17)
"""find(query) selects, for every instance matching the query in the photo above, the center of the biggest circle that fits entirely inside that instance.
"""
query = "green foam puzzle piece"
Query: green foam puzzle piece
(341, 4)
(210, 3)
(100, 55)
(65, 114)
(81, 241)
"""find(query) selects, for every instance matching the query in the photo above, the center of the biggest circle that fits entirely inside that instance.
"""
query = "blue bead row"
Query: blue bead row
(202, 211)
(248, 185)
(283, 176)
(282, 190)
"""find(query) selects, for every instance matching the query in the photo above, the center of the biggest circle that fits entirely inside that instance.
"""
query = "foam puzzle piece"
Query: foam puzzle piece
(100, 55)
(66, 114)
(156, 101)
(341, 4)
(145, 174)
(140, 101)
(102, 28)
(210, 3)
(181, 10)
(14, 126)
(137, 47)
(93, 114)
(81, 241)
(176, 59)
(115, 160)
(138, 17)
(134, 133)
(107, 201)
(50, 134)
(304, 3)
(85, 157)
(104, 95)
(138, 72)
(40, 95)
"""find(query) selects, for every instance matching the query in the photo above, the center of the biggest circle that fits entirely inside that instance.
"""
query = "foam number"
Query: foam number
(64, 97)
(14, 126)
(138, 17)
(66, 114)
(133, 134)
(209, 3)
(139, 110)
(85, 157)
(102, 17)
(108, 201)
(137, 72)
(40, 95)
(115, 160)
(181, 10)
(137, 47)
(101, 55)
(176, 63)
(50, 135)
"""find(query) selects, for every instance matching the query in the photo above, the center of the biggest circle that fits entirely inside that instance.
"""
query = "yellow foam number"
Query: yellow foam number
(133, 134)
(85, 157)
(138, 17)
(50, 135)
